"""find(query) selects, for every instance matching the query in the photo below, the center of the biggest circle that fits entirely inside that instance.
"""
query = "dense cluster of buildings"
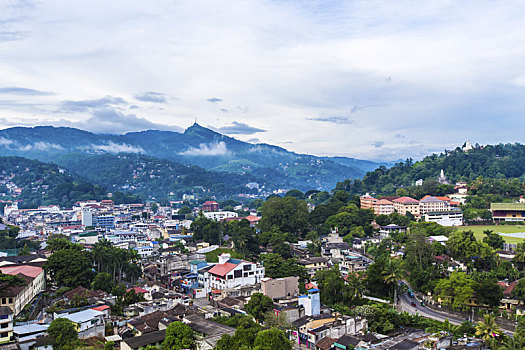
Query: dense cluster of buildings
(442, 210)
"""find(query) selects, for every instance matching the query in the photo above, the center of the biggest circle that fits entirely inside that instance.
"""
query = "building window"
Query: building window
(4, 335)
(5, 325)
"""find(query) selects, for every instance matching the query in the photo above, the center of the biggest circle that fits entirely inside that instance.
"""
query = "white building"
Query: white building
(90, 323)
(220, 215)
(231, 273)
(432, 204)
(445, 218)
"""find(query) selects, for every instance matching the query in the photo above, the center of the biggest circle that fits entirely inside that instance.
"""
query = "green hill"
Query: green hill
(503, 161)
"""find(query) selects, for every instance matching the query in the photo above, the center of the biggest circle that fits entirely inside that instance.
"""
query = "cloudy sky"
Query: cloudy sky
(369, 79)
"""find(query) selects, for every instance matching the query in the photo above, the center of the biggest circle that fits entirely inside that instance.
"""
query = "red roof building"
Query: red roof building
(210, 206)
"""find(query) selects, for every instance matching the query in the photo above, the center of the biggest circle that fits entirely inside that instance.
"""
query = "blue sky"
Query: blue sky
(368, 79)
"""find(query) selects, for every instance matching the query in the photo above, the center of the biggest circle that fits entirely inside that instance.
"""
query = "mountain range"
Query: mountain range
(83, 152)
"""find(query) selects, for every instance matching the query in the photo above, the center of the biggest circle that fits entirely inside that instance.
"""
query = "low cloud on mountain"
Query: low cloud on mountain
(210, 149)
(112, 147)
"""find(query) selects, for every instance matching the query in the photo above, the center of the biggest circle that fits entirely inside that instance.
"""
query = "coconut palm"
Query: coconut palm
(356, 285)
(393, 273)
(488, 328)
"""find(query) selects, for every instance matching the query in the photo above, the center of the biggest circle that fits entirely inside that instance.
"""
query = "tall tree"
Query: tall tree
(178, 336)
(63, 334)
(258, 306)
(272, 339)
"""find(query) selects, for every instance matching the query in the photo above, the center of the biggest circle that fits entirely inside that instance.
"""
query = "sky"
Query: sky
(382, 80)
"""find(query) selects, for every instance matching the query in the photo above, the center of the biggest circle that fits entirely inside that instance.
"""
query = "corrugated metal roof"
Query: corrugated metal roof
(507, 206)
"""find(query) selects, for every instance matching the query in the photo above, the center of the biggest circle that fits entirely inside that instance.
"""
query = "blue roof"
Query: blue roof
(313, 290)
(234, 261)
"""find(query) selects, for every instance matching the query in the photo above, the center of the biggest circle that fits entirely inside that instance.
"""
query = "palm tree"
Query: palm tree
(356, 285)
(519, 258)
(512, 343)
(488, 328)
(392, 274)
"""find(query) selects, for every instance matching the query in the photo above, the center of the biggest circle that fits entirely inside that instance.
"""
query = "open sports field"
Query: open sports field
(478, 231)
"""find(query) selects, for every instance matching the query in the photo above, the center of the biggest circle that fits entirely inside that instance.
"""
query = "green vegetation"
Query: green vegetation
(178, 336)
(63, 334)
(479, 231)
(213, 256)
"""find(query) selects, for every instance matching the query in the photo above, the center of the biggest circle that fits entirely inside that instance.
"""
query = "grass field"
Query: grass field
(478, 231)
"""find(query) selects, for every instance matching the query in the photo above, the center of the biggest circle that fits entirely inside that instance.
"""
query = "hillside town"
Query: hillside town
(122, 274)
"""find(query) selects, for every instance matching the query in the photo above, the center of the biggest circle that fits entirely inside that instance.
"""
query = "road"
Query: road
(405, 305)
(405, 302)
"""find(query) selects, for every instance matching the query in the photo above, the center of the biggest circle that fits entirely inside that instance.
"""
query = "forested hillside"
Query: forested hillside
(152, 177)
(43, 183)
(503, 161)
(197, 145)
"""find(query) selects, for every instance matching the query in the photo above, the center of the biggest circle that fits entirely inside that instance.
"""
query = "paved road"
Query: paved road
(405, 305)
(405, 302)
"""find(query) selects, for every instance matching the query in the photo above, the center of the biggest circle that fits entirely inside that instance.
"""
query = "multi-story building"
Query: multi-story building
(314, 264)
(220, 215)
(106, 221)
(445, 218)
(311, 302)
(383, 207)
(367, 201)
(285, 287)
(404, 205)
(210, 206)
(16, 297)
(430, 204)
(508, 211)
(6, 325)
(232, 273)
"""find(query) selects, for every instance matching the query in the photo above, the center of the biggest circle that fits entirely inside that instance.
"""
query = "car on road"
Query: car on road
(410, 294)
(413, 304)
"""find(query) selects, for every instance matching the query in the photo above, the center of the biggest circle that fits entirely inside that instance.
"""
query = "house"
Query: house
(139, 342)
(231, 273)
(210, 206)
(353, 262)
(6, 325)
(141, 291)
(309, 330)
(207, 332)
(387, 230)
(404, 205)
(277, 288)
(325, 344)
(17, 297)
(335, 250)
(347, 342)
(26, 335)
(314, 264)
(405, 345)
(89, 323)
(439, 239)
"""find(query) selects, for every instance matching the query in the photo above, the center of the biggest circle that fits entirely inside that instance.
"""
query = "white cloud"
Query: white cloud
(37, 146)
(5, 142)
(211, 149)
(112, 147)
(451, 70)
